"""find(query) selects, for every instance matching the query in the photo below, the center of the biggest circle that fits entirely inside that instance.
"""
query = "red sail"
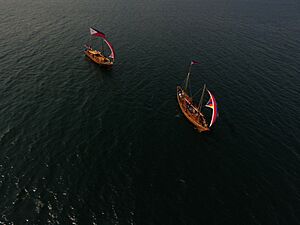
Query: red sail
(213, 105)
(112, 51)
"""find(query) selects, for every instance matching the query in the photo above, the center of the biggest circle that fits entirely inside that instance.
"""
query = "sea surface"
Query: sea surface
(81, 144)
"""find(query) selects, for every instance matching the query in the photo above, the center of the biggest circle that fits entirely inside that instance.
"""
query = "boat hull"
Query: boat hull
(190, 111)
(98, 58)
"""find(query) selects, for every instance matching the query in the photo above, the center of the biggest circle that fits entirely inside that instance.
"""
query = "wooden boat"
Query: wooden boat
(98, 56)
(192, 111)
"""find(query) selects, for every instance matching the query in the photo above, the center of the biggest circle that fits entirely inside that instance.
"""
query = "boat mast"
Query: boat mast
(201, 99)
(102, 50)
(187, 78)
(90, 41)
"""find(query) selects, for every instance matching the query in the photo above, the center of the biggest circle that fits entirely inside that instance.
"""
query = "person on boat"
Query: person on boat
(185, 104)
(190, 108)
(202, 120)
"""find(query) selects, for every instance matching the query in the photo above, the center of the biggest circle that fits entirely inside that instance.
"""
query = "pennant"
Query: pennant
(194, 62)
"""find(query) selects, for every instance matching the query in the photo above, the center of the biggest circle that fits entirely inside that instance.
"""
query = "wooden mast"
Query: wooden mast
(90, 41)
(187, 78)
(201, 99)
(102, 50)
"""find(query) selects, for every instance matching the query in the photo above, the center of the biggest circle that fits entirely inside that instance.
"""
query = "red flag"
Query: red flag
(97, 33)
(194, 62)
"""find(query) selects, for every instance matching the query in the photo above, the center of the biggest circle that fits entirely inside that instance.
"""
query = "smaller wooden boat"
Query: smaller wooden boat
(98, 56)
(192, 111)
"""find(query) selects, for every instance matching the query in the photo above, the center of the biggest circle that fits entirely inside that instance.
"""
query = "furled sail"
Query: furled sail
(96, 33)
(112, 51)
(213, 105)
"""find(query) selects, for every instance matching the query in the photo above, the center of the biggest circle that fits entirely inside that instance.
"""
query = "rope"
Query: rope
(197, 92)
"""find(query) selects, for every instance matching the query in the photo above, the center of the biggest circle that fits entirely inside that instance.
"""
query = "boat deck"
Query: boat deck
(98, 57)
(190, 111)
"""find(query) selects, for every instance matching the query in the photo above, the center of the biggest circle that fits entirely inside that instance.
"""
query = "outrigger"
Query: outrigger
(98, 56)
(192, 111)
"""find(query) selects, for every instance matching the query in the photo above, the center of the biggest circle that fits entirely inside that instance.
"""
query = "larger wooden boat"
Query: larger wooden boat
(192, 111)
(98, 56)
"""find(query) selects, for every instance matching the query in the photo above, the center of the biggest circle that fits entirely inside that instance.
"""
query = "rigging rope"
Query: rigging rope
(183, 82)
(197, 92)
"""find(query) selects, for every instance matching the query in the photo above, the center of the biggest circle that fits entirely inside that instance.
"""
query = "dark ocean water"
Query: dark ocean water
(80, 144)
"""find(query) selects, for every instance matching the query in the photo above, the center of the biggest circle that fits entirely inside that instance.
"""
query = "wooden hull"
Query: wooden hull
(190, 111)
(98, 58)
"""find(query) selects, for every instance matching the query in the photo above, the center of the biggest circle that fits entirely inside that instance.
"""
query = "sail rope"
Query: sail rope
(183, 82)
(196, 93)
(190, 88)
